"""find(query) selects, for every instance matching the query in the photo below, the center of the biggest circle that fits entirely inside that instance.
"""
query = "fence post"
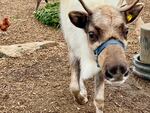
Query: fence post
(145, 44)
(142, 61)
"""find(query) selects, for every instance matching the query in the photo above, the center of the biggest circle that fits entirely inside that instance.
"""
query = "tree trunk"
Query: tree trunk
(145, 44)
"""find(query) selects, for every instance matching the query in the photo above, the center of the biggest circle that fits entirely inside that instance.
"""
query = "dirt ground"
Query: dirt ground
(39, 82)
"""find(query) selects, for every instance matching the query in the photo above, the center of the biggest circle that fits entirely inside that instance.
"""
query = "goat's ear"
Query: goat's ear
(79, 19)
(133, 13)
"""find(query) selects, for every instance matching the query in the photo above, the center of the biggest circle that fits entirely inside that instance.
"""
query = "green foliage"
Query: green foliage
(49, 15)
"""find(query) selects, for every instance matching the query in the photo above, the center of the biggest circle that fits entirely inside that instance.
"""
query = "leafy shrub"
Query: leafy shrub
(49, 15)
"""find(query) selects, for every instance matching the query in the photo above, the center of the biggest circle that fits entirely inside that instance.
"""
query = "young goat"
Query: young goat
(96, 34)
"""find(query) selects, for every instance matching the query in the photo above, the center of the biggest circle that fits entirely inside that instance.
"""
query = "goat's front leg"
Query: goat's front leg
(77, 87)
(46, 1)
(38, 3)
(75, 75)
(83, 92)
(99, 93)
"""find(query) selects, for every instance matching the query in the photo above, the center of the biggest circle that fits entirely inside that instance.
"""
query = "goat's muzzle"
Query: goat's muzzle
(117, 73)
(111, 58)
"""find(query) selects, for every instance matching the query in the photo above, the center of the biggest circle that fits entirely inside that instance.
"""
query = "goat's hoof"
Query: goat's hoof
(99, 104)
(81, 99)
(99, 111)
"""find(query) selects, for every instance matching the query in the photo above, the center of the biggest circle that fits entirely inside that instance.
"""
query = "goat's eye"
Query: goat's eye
(92, 36)
(126, 31)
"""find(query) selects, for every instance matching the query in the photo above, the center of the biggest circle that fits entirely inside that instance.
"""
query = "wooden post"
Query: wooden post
(145, 44)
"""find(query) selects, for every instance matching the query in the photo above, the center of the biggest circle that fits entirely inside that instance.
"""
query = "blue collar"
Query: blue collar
(105, 44)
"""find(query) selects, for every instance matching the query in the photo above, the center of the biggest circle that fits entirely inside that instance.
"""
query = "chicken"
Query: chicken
(4, 24)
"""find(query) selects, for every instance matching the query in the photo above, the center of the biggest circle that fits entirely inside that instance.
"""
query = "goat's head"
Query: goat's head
(107, 26)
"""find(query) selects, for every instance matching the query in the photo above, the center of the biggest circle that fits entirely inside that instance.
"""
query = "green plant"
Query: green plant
(49, 15)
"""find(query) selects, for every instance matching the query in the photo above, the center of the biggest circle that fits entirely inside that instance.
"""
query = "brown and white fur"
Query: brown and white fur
(85, 26)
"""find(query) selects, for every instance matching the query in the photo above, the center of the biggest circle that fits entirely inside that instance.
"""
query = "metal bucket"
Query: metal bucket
(141, 69)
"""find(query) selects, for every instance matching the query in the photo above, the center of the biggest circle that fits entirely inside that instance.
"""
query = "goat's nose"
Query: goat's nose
(116, 70)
